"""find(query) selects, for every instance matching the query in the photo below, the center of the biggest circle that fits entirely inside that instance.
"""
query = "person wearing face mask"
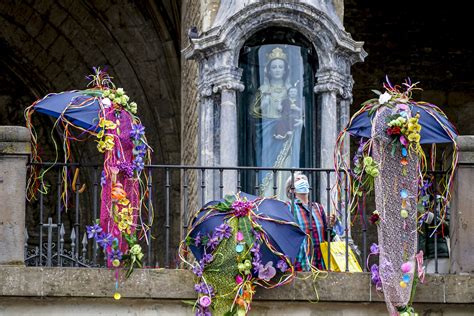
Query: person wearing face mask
(312, 220)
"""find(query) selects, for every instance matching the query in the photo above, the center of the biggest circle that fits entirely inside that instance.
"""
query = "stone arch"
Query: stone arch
(56, 43)
(306, 19)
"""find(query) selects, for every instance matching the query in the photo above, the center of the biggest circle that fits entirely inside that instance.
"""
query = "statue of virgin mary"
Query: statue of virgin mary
(272, 150)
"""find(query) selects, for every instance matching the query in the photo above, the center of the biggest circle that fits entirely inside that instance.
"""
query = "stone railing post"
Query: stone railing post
(462, 209)
(14, 151)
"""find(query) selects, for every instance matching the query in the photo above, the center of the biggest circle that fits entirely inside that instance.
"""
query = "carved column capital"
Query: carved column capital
(228, 85)
(331, 80)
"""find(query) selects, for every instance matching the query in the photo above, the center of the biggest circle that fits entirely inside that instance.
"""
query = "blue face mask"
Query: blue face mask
(302, 186)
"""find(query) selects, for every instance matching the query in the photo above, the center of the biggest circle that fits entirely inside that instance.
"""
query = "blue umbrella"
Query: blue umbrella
(286, 238)
(431, 122)
(79, 107)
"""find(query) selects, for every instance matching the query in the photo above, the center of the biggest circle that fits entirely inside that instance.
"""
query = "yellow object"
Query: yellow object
(403, 284)
(338, 257)
(117, 296)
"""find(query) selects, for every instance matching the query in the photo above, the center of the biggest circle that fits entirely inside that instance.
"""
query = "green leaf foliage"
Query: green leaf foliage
(246, 228)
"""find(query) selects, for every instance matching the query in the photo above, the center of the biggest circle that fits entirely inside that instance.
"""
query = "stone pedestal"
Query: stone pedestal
(14, 151)
(462, 209)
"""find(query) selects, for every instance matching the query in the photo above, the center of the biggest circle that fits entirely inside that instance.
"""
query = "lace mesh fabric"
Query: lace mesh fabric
(397, 236)
(122, 152)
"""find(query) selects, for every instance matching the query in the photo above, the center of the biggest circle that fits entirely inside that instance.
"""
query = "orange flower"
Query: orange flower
(240, 301)
(118, 193)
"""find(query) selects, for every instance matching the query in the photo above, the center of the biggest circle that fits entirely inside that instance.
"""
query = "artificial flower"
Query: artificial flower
(138, 130)
(384, 98)
(93, 230)
(374, 249)
(267, 272)
(205, 301)
(414, 138)
(242, 208)
(133, 107)
(375, 217)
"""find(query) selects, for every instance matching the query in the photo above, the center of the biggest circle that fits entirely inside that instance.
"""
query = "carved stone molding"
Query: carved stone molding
(331, 80)
(329, 38)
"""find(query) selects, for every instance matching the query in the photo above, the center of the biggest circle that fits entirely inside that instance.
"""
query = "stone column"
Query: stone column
(228, 139)
(14, 151)
(462, 209)
(329, 131)
(206, 142)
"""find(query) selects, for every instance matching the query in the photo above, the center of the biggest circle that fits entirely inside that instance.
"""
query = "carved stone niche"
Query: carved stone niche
(217, 52)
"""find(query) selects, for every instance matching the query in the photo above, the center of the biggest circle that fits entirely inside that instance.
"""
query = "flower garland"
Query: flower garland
(120, 136)
(398, 135)
(122, 140)
(232, 262)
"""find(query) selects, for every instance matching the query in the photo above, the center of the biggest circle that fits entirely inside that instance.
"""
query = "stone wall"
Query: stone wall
(191, 16)
(56, 291)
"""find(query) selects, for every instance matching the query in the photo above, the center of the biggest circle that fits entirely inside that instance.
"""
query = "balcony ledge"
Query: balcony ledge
(166, 284)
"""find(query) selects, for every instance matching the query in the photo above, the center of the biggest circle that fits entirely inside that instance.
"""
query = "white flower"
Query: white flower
(106, 102)
(384, 97)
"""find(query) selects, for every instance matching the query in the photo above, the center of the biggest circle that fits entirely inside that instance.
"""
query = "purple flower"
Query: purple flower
(282, 265)
(255, 250)
(197, 270)
(213, 242)
(242, 208)
(256, 234)
(93, 230)
(104, 240)
(257, 260)
(223, 231)
(139, 150)
(139, 163)
(374, 249)
(115, 254)
(207, 258)
(204, 288)
(137, 131)
(103, 178)
(126, 168)
(266, 272)
(203, 311)
(197, 239)
(205, 301)
(375, 276)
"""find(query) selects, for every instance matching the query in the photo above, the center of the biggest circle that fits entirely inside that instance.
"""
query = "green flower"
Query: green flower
(375, 172)
(368, 161)
(133, 107)
(136, 249)
(120, 91)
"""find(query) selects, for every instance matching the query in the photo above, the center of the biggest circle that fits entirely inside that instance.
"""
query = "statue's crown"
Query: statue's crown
(277, 53)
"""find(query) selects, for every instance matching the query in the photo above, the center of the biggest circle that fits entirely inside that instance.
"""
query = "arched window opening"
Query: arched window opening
(277, 110)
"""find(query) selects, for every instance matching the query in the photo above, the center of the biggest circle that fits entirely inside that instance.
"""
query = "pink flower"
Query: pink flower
(403, 140)
(406, 267)
(240, 236)
(238, 279)
(205, 301)
(403, 107)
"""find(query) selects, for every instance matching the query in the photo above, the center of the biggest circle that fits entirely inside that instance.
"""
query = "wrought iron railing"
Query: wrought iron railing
(56, 225)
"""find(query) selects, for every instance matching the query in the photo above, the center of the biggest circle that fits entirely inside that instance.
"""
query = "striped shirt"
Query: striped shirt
(315, 227)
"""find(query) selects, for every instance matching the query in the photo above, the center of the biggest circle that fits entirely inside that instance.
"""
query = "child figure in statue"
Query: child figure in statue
(291, 115)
